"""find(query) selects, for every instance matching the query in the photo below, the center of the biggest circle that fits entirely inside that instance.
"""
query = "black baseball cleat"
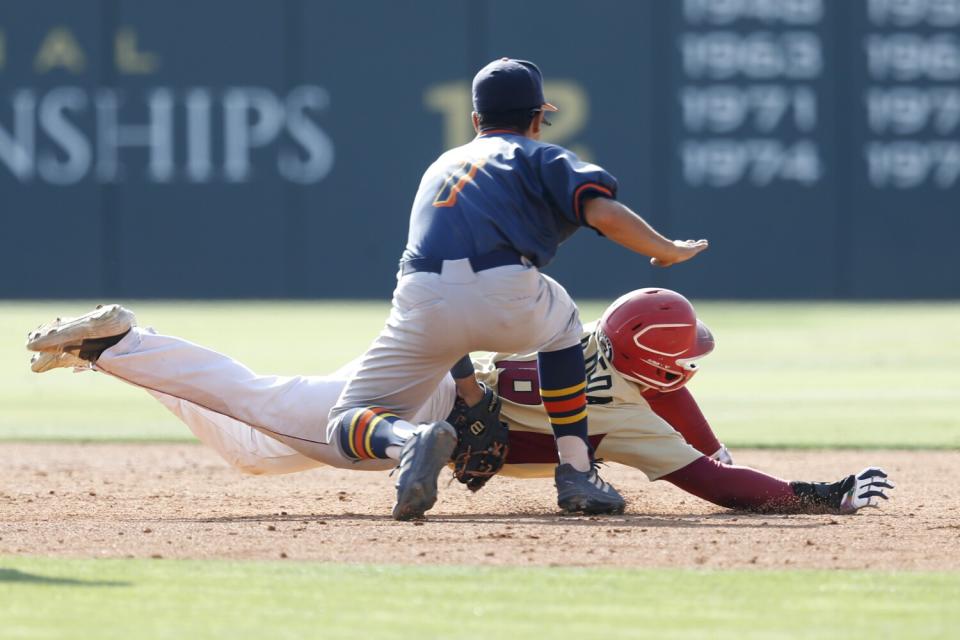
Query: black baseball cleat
(422, 458)
(586, 492)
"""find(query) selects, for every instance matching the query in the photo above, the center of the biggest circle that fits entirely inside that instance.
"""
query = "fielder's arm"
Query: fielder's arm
(617, 222)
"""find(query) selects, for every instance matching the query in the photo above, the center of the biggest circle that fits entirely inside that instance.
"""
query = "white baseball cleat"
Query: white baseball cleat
(46, 360)
(68, 334)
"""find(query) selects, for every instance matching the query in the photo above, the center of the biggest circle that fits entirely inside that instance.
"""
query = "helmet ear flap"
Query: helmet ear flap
(606, 347)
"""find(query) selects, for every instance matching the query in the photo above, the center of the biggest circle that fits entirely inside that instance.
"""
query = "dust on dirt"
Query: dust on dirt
(181, 501)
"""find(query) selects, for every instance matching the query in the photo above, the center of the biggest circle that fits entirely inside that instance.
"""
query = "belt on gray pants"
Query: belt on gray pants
(499, 258)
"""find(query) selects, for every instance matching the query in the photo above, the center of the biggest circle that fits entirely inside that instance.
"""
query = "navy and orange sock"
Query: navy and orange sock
(367, 432)
(563, 387)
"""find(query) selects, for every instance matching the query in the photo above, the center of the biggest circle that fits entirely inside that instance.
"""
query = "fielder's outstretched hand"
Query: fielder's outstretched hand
(683, 251)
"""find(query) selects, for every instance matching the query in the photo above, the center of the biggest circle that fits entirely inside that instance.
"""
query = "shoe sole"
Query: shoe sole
(46, 361)
(417, 487)
(60, 335)
(593, 509)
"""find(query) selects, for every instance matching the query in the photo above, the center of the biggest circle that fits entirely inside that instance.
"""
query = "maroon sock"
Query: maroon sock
(682, 413)
(735, 487)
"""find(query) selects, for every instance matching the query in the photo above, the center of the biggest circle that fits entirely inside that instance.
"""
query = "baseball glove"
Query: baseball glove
(482, 440)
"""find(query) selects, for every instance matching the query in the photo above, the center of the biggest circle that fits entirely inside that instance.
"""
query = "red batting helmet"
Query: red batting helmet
(652, 336)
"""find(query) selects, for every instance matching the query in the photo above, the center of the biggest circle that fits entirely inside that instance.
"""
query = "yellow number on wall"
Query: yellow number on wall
(453, 102)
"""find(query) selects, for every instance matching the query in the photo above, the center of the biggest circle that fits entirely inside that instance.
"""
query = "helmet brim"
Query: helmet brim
(704, 344)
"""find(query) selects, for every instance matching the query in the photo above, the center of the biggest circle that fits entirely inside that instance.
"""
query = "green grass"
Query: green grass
(833, 375)
(55, 598)
(836, 375)
(271, 337)
(783, 374)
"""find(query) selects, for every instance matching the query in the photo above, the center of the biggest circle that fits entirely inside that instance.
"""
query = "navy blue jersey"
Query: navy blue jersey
(502, 191)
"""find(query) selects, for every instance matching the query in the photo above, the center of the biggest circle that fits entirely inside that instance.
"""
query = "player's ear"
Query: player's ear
(475, 117)
(536, 125)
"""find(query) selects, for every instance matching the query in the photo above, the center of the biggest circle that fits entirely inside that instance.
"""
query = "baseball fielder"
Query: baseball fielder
(486, 217)
(639, 357)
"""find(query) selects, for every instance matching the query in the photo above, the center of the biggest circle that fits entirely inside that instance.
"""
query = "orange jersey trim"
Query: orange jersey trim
(589, 186)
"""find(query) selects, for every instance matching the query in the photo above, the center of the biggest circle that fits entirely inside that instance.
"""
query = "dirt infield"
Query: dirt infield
(181, 501)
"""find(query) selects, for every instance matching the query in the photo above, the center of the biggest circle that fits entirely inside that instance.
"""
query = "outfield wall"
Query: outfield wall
(238, 148)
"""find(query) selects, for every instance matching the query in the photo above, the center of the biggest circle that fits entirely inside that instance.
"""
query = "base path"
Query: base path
(181, 501)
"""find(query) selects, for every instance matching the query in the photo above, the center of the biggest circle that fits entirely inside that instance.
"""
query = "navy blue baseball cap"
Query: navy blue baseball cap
(509, 85)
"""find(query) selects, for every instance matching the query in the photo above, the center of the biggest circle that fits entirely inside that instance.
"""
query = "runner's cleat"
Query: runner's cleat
(68, 334)
(45, 361)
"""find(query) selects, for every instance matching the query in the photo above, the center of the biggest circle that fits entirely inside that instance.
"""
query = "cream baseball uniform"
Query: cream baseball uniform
(272, 424)
(259, 424)
(632, 434)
